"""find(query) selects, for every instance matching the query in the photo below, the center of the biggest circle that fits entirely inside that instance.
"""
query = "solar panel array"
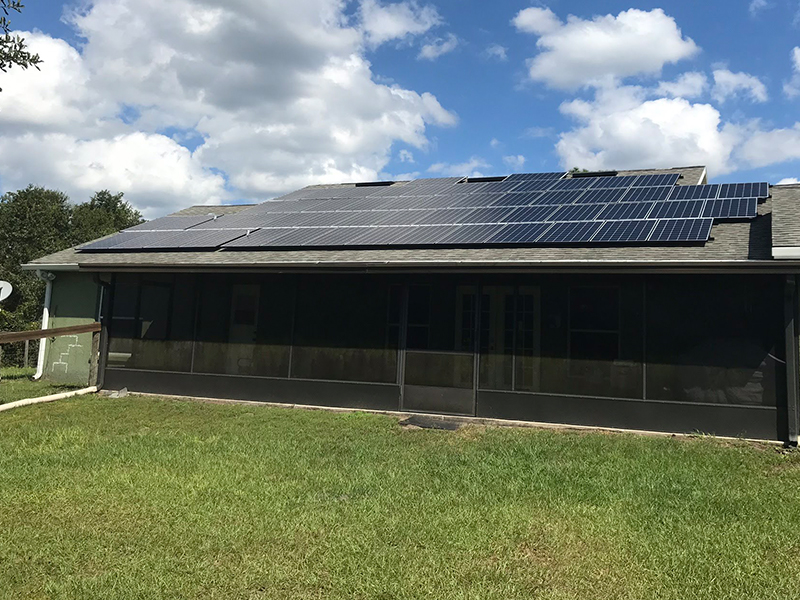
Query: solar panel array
(524, 208)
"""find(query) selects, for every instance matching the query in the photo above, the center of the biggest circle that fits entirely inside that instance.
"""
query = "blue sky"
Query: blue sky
(207, 101)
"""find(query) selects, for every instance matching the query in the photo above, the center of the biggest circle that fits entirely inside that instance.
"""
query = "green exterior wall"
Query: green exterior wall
(74, 301)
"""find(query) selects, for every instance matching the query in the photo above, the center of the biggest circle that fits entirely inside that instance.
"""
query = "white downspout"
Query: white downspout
(48, 292)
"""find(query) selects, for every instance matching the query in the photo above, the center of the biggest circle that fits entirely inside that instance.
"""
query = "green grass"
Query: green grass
(147, 498)
(17, 383)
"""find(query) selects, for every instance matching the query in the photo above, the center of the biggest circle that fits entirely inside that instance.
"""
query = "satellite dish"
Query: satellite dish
(5, 290)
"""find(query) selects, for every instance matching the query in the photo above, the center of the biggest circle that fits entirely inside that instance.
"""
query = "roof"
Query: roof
(732, 244)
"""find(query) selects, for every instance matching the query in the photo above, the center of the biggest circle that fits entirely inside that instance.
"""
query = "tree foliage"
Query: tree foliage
(13, 50)
(37, 221)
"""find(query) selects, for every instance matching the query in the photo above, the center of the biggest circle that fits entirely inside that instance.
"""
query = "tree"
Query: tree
(13, 50)
(103, 214)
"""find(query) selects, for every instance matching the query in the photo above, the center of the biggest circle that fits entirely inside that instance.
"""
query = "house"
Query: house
(633, 299)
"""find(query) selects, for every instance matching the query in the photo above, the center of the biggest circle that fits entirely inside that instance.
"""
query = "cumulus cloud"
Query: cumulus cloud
(385, 22)
(582, 52)
(496, 52)
(788, 181)
(792, 87)
(756, 6)
(275, 95)
(438, 47)
(514, 162)
(687, 85)
(405, 156)
(766, 147)
(469, 168)
(728, 85)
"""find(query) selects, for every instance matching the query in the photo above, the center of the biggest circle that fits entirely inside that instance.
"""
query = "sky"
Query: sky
(217, 101)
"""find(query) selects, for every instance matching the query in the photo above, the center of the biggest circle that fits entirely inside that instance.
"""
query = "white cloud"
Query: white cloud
(495, 143)
(438, 47)
(469, 168)
(757, 6)
(386, 22)
(622, 128)
(405, 156)
(728, 84)
(514, 162)
(277, 95)
(538, 132)
(687, 85)
(766, 147)
(496, 52)
(788, 181)
(792, 87)
(591, 52)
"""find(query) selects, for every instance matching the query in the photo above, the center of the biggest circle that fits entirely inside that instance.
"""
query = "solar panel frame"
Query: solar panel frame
(619, 181)
(447, 216)
(677, 209)
(681, 230)
(574, 183)
(110, 242)
(731, 208)
(518, 199)
(694, 192)
(624, 231)
(622, 211)
(520, 233)
(559, 197)
(535, 176)
(647, 194)
(593, 196)
(530, 214)
(535, 185)
(570, 233)
(471, 234)
(172, 223)
(656, 180)
(259, 239)
(743, 190)
(576, 212)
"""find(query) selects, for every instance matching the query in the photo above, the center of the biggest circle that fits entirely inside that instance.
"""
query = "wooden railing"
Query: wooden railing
(38, 334)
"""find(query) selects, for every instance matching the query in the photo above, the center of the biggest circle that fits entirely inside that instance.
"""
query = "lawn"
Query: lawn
(16, 384)
(148, 498)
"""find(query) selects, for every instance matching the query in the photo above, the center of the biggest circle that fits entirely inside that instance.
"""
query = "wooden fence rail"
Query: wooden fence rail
(37, 334)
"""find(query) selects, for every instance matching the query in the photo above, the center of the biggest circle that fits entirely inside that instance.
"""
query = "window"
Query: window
(594, 340)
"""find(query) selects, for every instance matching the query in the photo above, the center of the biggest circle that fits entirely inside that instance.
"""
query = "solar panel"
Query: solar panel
(647, 194)
(535, 185)
(626, 210)
(260, 238)
(449, 216)
(470, 200)
(471, 234)
(393, 217)
(516, 199)
(575, 183)
(681, 230)
(731, 208)
(624, 231)
(570, 233)
(677, 209)
(577, 212)
(656, 180)
(567, 197)
(336, 236)
(164, 223)
(743, 190)
(111, 242)
(694, 192)
(605, 195)
(521, 233)
(498, 187)
(200, 239)
(622, 181)
(530, 214)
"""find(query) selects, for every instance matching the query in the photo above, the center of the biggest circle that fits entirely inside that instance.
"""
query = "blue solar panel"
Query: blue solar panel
(530, 214)
(471, 234)
(743, 190)
(606, 195)
(336, 236)
(392, 217)
(515, 199)
(450, 216)
(656, 180)
(575, 183)
(624, 231)
(567, 197)
(524, 233)
(681, 230)
(647, 194)
(570, 233)
(577, 212)
(732, 208)
(178, 222)
(622, 181)
(534, 185)
(694, 192)
(626, 210)
(677, 209)
(112, 241)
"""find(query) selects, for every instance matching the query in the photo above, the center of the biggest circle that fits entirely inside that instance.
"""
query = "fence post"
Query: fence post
(94, 359)
(25, 354)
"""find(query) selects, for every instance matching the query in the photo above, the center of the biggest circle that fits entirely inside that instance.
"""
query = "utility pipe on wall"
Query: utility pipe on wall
(48, 278)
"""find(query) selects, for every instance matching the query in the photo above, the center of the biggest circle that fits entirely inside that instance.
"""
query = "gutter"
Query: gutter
(50, 267)
(48, 293)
